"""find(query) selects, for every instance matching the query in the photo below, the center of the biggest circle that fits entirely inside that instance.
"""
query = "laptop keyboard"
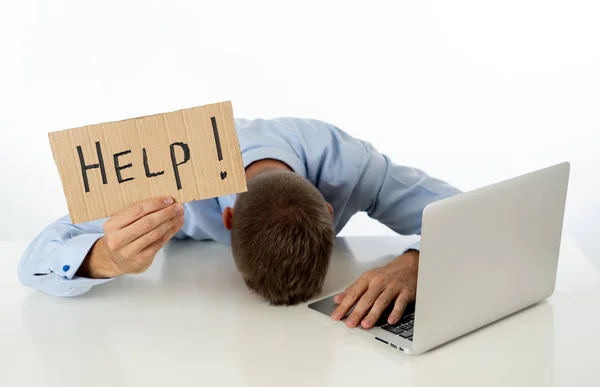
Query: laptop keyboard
(404, 327)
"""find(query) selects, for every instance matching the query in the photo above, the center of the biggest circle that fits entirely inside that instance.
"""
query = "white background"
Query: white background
(470, 91)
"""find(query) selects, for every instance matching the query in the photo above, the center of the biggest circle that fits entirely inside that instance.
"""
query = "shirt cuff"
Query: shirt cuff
(414, 246)
(65, 262)
(285, 156)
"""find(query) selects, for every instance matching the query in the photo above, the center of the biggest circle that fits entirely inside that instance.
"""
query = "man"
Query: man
(306, 179)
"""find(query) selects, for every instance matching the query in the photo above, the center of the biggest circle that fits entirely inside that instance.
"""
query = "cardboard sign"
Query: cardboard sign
(188, 154)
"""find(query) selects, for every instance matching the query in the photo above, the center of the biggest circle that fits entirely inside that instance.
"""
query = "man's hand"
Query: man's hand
(376, 289)
(132, 238)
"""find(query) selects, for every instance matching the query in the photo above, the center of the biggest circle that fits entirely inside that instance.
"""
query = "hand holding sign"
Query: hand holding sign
(132, 238)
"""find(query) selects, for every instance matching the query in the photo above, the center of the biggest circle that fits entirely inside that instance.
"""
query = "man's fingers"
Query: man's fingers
(138, 211)
(352, 295)
(399, 307)
(149, 223)
(151, 237)
(384, 299)
(339, 298)
(364, 305)
(154, 247)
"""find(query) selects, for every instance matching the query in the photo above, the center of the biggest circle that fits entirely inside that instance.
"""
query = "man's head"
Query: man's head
(281, 236)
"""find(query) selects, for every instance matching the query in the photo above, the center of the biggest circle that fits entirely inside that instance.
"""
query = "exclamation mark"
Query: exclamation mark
(218, 144)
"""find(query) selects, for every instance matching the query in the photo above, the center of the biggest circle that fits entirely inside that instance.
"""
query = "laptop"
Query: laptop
(485, 254)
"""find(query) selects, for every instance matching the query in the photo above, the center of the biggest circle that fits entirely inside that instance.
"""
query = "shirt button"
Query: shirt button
(66, 267)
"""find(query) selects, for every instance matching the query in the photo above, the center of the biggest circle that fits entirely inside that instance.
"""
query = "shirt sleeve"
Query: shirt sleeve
(50, 262)
(396, 195)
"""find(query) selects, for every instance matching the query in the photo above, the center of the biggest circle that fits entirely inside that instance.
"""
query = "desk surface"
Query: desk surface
(189, 320)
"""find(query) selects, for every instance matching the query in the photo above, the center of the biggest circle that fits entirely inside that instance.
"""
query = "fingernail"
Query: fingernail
(366, 323)
(335, 316)
(350, 322)
(179, 208)
(168, 201)
(392, 321)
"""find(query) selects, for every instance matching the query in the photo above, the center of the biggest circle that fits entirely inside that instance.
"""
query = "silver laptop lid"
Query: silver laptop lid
(488, 253)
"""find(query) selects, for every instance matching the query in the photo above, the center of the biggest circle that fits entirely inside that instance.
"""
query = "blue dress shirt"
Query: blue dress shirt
(351, 174)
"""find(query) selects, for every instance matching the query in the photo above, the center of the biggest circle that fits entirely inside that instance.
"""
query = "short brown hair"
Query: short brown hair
(282, 237)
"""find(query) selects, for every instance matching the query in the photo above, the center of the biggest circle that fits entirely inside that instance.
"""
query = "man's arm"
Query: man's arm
(68, 260)
(396, 196)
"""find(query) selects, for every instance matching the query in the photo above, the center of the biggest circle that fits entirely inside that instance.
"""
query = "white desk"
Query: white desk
(190, 320)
